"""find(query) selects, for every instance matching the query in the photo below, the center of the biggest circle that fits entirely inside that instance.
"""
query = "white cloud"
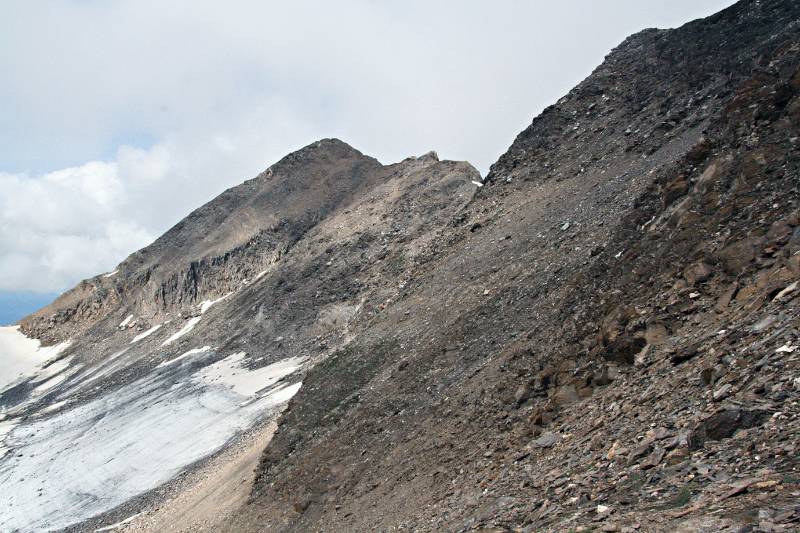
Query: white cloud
(59, 227)
(120, 117)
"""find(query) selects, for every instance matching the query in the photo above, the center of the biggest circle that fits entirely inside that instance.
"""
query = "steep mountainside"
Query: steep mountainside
(600, 336)
(605, 338)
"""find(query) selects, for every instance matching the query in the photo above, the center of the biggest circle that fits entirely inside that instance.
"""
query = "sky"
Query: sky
(121, 116)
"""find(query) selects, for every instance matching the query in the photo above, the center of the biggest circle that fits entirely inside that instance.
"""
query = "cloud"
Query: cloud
(120, 117)
(58, 227)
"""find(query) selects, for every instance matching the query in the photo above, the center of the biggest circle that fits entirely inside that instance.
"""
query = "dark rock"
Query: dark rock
(724, 423)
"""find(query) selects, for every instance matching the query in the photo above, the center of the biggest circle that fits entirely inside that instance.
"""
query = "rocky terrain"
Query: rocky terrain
(602, 335)
(605, 338)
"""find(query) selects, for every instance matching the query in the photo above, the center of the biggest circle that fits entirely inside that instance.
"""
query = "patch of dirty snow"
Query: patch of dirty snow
(185, 355)
(285, 393)
(183, 331)
(80, 462)
(126, 321)
(147, 333)
(51, 370)
(49, 384)
(205, 305)
(21, 356)
(108, 366)
(230, 372)
(55, 406)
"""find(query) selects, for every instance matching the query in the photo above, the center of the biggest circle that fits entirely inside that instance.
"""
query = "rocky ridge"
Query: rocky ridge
(604, 339)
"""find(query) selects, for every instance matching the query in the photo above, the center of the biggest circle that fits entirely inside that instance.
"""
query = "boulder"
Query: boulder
(697, 273)
(724, 423)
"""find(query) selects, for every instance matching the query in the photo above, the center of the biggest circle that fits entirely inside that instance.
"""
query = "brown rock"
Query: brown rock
(697, 273)
(779, 232)
(677, 456)
(673, 191)
(656, 334)
(540, 417)
(738, 256)
(725, 300)
(724, 423)
(522, 394)
(793, 263)
(616, 450)
(566, 395)
(794, 241)
(737, 488)
(640, 451)
(746, 294)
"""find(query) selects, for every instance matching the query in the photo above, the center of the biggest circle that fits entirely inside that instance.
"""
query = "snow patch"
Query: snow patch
(110, 274)
(118, 524)
(231, 373)
(183, 331)
(205, 305)
(147, 333)
(52, 369)
(5, 428)
(184, 416)
(126, 321)
(21, 356)
(56, 406)
(285, 393)
(49, 384)
(107, 367)
(185, 355)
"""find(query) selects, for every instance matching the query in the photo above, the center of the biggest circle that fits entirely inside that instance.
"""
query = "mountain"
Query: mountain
(601, 335)
(194, 344)
(604, 337)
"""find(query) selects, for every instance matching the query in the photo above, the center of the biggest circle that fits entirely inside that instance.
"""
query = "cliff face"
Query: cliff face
(602, 339)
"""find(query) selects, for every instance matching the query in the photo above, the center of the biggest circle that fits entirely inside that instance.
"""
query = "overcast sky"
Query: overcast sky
(120, 117)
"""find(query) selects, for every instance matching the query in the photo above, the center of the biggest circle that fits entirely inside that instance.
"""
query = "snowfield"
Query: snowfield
(70, 461)
(145, 334)
(22, 356)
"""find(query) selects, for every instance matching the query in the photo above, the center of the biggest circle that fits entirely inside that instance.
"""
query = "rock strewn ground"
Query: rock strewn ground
(605, 338)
